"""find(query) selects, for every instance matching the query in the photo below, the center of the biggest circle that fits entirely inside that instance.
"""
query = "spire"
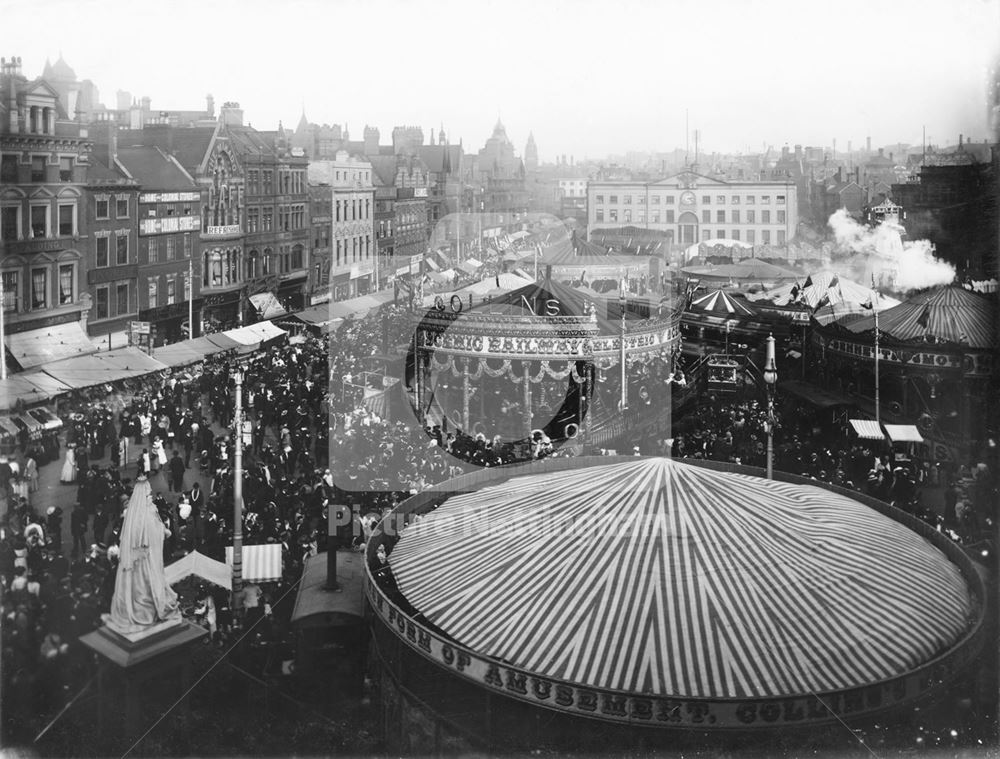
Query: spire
(303, 122)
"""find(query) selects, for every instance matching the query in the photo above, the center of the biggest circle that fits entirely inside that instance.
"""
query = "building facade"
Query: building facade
(351, 197)
(44, 157)
(322, 235)
(689, 208)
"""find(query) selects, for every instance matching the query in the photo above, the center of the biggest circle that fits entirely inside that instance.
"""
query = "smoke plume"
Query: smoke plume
(881, 253)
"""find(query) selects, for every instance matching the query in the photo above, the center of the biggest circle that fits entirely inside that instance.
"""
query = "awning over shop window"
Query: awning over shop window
(867, 429)
(43, 346)
(260, 563)
(903, 433)
(267, 305)
(104, 368)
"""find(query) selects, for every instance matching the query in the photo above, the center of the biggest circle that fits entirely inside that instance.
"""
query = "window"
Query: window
(720, 234)
(612, 215)
(704, 235)
(781, 237)
(735, 235)
(267, 219)
(751, 235)
(102, 251)
(706, 217)
(780, 200)
(765, 217)
(154, 292)
(720, 200)
(37, 168)
(297, 257)
(656, 217)
(121, 299)
(10, 223)
(600, 214)
(751, 217)
(39, 288)
(65, 169)
(669, 200)
(121, 207)
(66, 214)
(642, 200)
(670, 217)
(735, 200)
(187, 246)
(171, 290)
(253, 219)
(121, 249)
(735, 216)
(11, 291)
(170, 249)
(781, 217)
(66, 279)
(102, 307)
(656, 200)
(628, 216)
(40, 221)
(8, 169)
(706, 199)
(268, 182)
(101, 210)
(600, 198)
(267, 261)
(765, 237)
(154, 250)
(614, 198)
(253, 182)
(765, 200)
(720, 217)
(751, 200)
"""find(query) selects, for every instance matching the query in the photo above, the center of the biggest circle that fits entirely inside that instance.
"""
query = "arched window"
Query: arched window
(267, 261)
(297, 262)
(252, 265)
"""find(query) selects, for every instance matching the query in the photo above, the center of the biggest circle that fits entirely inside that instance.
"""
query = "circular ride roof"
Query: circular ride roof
(658, 577)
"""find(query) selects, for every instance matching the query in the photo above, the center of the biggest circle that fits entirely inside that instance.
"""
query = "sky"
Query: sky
(588, 78)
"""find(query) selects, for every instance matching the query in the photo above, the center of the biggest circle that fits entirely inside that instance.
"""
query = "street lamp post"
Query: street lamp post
(621, 357)
(238, 492)
(770, 378)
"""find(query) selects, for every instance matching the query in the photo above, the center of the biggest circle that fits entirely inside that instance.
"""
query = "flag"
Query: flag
(833, 282)
(824, 301)
(925, 317)
(808, 284)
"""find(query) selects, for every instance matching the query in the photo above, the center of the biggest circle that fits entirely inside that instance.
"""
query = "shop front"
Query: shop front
(221, 311)
(169, 322)
(291, 293)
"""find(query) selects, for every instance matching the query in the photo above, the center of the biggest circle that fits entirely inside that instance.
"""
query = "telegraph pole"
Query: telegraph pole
(238, 494)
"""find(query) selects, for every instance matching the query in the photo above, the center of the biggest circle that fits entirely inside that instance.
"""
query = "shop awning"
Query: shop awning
(38, 347)
(267, 305)
(102, 368)
(903, 433)
(201, 566)
(8, 428)
(187, 351)
(31, 388)
(254, 335)
(260, 563)
(223, 343)
(867, 429)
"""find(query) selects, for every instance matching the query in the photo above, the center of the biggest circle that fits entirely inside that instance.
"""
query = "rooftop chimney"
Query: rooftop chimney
(960, 140)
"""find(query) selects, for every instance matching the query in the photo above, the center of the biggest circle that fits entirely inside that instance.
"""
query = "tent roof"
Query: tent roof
(202, 566)
(711, 584)
(261, 563)
(953, 315)
(99, 368)
(751, 269)
(34, 387)
(719, 302)
(846, 291)
(903, 433)
(187, 351)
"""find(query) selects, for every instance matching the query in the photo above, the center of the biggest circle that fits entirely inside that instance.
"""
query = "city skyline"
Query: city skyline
(542, 70)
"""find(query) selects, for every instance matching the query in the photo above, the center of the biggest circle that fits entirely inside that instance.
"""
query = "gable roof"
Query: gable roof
(189, 145)
(154, 169)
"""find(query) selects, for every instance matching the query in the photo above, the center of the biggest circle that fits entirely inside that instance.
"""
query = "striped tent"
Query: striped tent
(949, 314)
(844, 291)
(720, 302)
(654, 576)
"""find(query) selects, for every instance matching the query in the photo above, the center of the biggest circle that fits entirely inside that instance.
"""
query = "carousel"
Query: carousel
(935, 365)
(543, 361)
(636, 602)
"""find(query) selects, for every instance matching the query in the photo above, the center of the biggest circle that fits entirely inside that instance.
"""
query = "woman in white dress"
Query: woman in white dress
(159, 455)
(69, 468)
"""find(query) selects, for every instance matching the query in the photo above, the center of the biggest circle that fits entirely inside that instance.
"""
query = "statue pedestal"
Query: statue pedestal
(130, 663)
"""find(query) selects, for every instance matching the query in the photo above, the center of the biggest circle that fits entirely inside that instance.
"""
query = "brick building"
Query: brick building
(44, 157)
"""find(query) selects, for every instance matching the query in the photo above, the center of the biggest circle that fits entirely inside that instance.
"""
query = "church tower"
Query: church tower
(531, 154)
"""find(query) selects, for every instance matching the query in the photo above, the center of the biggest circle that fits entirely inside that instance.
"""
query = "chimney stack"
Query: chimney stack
(868, 144)
(960, 140)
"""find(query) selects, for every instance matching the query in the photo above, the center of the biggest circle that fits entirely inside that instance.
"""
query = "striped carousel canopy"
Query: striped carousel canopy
(660, 577)
(950, 314)
(720, 302)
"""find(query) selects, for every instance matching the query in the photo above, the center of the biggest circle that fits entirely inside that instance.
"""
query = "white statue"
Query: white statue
(142, 596)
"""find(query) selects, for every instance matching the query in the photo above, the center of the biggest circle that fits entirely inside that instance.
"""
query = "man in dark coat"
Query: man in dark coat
(176, 466)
